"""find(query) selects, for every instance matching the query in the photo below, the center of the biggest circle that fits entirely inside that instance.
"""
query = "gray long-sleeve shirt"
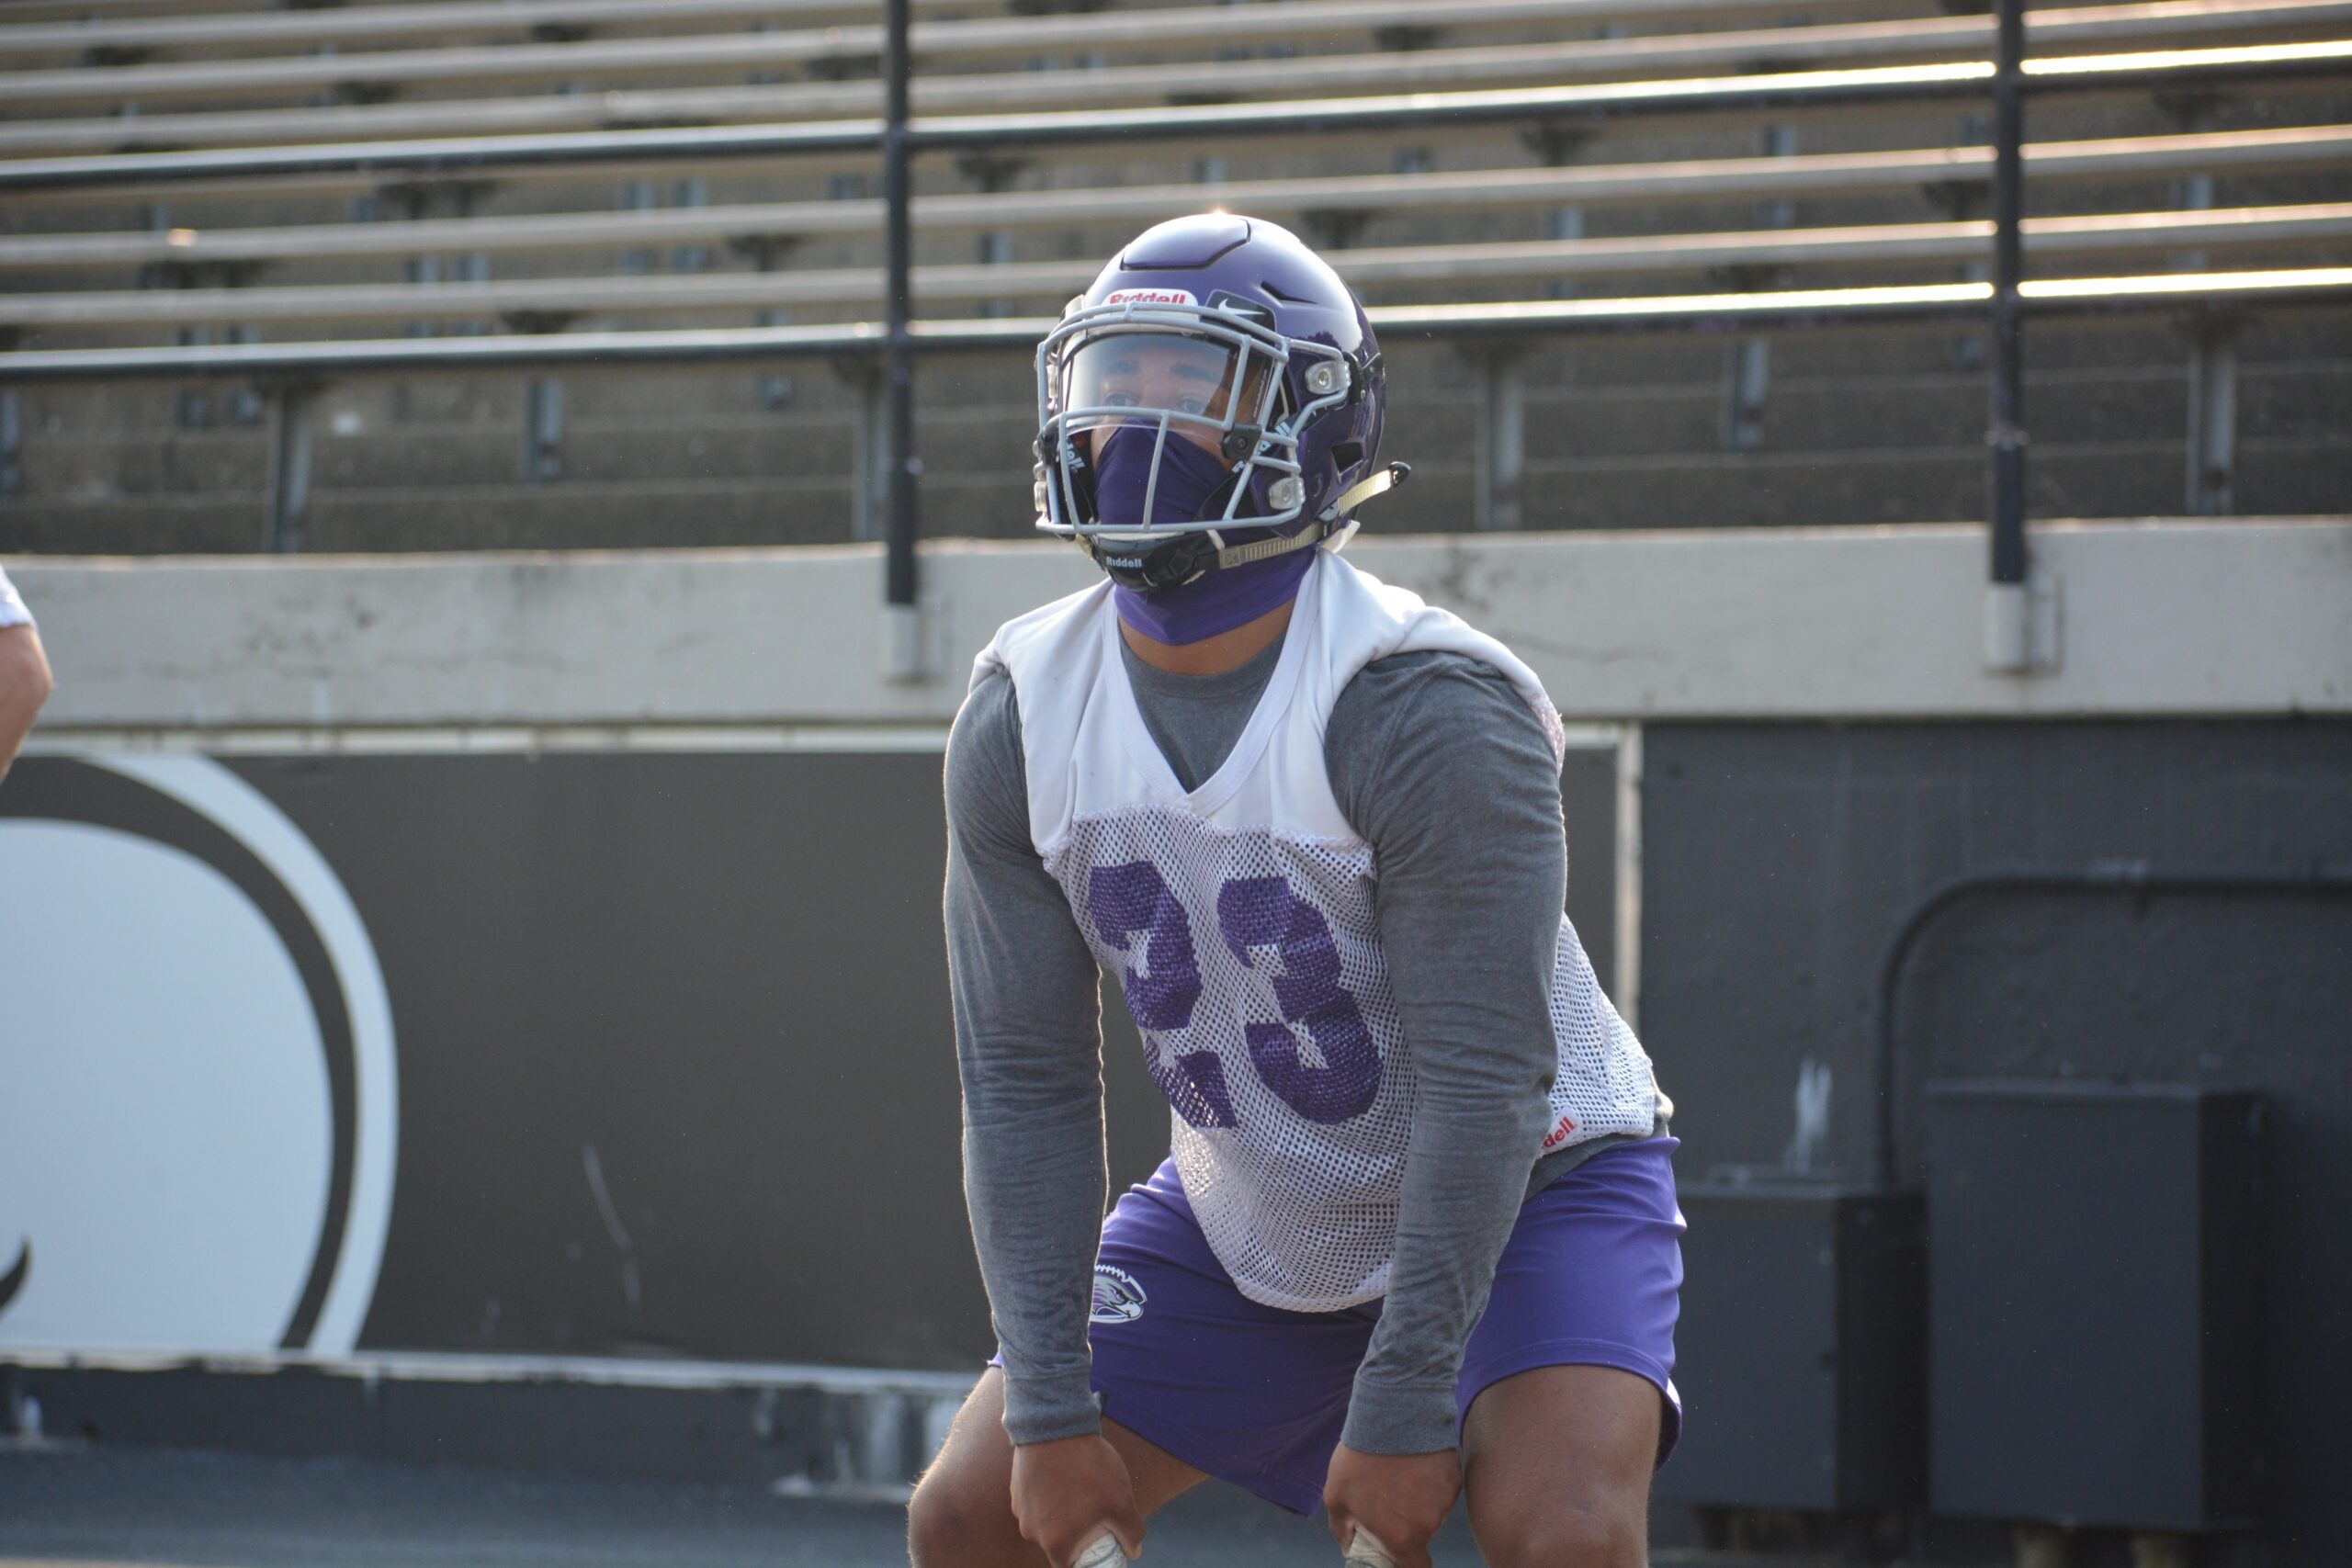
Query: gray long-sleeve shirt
(1436, 761)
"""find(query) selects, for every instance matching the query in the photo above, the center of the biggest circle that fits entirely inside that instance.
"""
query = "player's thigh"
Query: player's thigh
(1557, 1464)
(962, 1510)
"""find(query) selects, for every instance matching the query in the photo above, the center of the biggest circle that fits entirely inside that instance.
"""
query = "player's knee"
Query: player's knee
(952, 1523)
(1555, 1537)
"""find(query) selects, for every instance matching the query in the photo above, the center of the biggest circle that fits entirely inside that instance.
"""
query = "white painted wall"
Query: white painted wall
(2163, 616)
(166, 1135)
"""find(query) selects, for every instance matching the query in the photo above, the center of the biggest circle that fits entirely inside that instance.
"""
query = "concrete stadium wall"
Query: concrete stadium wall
(2155, 617)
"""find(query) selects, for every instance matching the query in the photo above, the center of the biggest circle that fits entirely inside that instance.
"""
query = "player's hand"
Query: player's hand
(1398, 1499)
(1067, 1491)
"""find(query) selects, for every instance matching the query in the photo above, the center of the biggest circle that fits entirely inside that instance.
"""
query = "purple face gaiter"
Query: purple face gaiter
(1216, 600)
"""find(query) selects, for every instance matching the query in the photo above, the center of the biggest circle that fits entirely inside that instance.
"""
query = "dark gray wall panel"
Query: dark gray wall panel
(1588, 804)
(2100, 1234)
(1779, 859)
(721, 976)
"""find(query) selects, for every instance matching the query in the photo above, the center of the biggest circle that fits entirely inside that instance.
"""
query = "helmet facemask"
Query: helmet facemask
(1217, 378)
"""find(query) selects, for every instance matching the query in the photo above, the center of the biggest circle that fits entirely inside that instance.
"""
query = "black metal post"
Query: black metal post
(292, 405)
(899, 370)
(2006, 482)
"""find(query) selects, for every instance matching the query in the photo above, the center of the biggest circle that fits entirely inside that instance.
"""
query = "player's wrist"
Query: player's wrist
(1385, 1418)
(1044, 1409)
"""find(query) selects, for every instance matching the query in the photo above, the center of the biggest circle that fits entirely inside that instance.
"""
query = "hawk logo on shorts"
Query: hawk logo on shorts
(1117, 1297)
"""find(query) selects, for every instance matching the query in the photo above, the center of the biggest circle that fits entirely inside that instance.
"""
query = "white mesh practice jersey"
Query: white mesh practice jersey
(1238, 918)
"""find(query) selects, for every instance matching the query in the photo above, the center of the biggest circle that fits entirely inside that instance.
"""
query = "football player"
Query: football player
(25, 681)
(1416, 1234)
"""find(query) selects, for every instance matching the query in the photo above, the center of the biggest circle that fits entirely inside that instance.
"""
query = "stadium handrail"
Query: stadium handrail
(56, 10)
(2170, 292)
(1483, 189)
(1646, 254)
(43, 12)
(352, 24)
(1760, 92)
(1114, 86)
(736, 51)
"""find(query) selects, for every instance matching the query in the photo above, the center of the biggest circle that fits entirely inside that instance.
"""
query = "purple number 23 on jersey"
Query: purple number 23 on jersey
(1253, 912)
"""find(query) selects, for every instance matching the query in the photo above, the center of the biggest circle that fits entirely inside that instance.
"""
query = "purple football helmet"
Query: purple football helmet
(1228, 335)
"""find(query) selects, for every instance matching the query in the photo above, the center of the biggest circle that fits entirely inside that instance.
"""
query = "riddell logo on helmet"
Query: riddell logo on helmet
(1149, 296)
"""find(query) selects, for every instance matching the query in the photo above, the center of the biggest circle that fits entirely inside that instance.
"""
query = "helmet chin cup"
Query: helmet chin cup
(1150, 568)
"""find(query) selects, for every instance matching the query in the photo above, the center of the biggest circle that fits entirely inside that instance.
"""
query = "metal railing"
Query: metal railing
(2135, 879)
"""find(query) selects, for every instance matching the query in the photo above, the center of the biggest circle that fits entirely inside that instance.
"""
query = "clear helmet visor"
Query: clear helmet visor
(1201, 387)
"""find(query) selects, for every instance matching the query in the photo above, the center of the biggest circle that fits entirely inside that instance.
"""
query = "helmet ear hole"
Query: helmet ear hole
(1346, 455)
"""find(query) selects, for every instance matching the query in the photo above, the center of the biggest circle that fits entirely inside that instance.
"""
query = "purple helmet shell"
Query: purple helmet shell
(1219, 269)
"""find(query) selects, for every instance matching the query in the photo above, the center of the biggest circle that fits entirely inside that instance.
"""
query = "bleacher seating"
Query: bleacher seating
(2120, 158)
(132, 29)
(1347, 71)
(1424, 268)
(1820, 427)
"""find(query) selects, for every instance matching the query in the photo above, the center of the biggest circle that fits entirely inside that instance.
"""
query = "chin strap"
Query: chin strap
(1324, 526)
(1267, 549)
(1187, 558)
(1364, 489)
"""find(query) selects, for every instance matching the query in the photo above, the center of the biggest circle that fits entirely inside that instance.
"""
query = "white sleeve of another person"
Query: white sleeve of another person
(12, 606)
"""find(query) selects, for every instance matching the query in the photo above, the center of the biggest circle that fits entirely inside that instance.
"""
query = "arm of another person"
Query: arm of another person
(1440, 763)
(25, 685)
(1029, 1044)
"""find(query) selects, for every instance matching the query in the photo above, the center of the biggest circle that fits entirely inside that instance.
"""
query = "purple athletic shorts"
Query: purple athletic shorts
(1257, 1395)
